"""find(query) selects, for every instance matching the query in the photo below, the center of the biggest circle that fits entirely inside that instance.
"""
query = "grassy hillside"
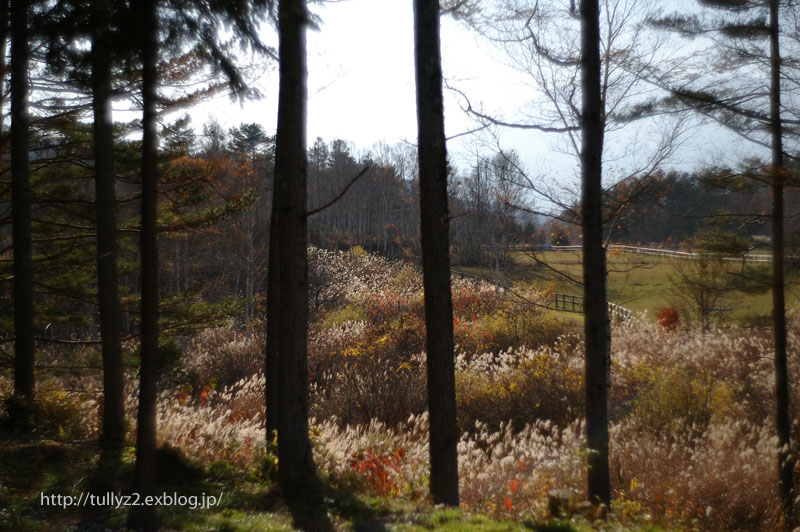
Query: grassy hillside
(638, 282)
(690, 421)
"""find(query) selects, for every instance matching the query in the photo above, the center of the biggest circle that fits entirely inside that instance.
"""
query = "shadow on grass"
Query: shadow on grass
(311, 517)
(363, 517)
(30, 469)
(340, 504)
(34, 473)
(548, 527)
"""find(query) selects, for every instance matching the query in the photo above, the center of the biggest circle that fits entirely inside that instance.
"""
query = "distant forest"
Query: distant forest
(215, 210)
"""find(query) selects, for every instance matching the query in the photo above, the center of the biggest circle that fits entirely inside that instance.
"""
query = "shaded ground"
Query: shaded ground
(33, 471)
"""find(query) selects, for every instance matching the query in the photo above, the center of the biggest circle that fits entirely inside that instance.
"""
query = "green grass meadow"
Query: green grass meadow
(641, 283)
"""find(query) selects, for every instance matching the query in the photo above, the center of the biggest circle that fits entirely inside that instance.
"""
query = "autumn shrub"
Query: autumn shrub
(338, 278)
(388, 460)
(339, 317)
(487, 321)
(65, 414)
(725, 372)
(6, 390)
(380, 471)
(370, 369)
(388, 306)
(670, 394)
(471, 300)
(540, 457)
(372, 380)
(365, 358)
(536, 386)
(720, 478)
(222, 426)
(668, 319)
(509, 328)
(220, 357)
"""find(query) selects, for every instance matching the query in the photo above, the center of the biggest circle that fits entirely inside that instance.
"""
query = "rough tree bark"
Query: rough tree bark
(145, 517)
(21, 408)
(113, 433)
(597, 332)
(288, 298)
(782, 419)
(436, 254)
(273, 325)
(4, 34)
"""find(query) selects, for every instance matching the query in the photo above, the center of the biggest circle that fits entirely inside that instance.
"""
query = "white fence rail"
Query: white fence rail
(572, 303)
(668, 253)
(566, 302)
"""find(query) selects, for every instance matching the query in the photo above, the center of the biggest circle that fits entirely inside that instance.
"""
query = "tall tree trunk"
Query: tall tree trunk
(597, 331)
(782, 420)
(436, 254)
(296, 472)
(146, 516)
(4, 30)
(273, 322)
(113, 433)
(21, 218)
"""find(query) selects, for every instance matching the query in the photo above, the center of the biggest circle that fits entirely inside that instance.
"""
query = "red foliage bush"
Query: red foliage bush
(668, 319)
(380, 471)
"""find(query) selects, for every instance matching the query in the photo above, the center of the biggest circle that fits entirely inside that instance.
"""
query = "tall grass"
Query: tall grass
(692, 439)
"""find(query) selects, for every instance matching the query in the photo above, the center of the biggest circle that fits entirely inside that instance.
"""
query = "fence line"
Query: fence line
(566, 302)
(465, 275)
(573, 303)
(671, 253)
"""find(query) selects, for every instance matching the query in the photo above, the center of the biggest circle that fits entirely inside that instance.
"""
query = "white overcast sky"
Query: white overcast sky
(361, 82)
(361, 89)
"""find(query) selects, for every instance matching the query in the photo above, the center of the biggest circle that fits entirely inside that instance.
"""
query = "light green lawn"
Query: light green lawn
(637, 282)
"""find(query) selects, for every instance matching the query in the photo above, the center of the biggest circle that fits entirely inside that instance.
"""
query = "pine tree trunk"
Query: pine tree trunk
(296, 472)
(597, 332)
(273, 305)
(113, 433)
(4, 29)
(21, 219)
(436, 255)
(273, 322)
(782, 418)
(146, 516)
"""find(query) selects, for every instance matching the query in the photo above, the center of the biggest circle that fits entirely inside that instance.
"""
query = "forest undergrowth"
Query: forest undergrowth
(692, 443)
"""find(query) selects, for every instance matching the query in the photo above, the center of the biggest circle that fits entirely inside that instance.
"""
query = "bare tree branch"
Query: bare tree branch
(339, 196)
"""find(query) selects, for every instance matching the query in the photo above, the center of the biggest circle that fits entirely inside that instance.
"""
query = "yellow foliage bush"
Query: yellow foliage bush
(62, 413)
(671, 394)
(337, 318)
(541, 386)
